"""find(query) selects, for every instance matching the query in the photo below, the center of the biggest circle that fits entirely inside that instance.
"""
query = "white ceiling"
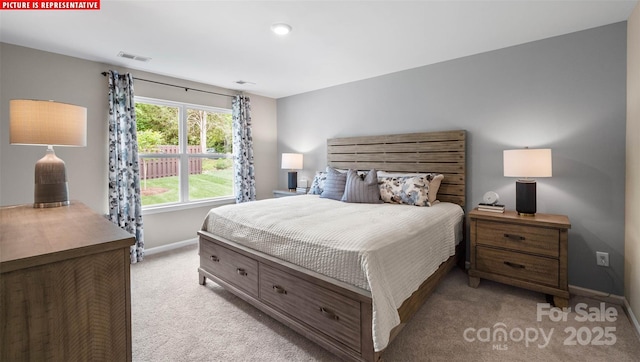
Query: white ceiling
(332, 42)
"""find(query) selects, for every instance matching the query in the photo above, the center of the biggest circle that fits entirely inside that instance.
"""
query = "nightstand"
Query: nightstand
(285, 193)
(524, 251)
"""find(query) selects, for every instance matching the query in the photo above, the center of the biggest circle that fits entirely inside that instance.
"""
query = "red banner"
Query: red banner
(50, 5)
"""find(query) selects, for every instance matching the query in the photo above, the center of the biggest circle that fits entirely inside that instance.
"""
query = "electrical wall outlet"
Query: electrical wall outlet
(602, 258)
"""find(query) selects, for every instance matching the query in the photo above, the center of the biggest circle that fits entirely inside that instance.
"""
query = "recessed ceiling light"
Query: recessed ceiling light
(281, 28)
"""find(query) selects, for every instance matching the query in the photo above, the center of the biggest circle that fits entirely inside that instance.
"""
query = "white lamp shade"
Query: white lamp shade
(527, 162)
(292, 161)
(35, 122)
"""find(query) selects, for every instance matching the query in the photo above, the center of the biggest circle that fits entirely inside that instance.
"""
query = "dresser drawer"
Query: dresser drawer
(516, 265)
(233, 267)
(324, 310)
(523, 238)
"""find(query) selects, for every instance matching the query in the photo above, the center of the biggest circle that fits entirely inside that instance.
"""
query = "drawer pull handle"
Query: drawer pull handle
(214, 258)
(514, 265)
(514, 237)
(242, 272)
(329, 314)
(279, 289)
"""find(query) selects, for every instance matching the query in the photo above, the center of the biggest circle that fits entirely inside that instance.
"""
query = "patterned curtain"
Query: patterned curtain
(244, 180)
(125, 209)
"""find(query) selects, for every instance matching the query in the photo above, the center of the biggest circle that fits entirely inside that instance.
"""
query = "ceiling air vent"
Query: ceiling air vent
(134, 57)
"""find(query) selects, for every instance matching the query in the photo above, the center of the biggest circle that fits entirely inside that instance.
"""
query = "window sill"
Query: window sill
(150, 210)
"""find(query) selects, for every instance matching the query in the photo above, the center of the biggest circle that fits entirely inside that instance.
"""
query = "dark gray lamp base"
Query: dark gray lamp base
(51, 187)
(292, 180)
(526, 197)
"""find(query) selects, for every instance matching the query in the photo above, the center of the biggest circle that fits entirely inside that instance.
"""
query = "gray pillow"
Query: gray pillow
(334, 184)
(362, 190)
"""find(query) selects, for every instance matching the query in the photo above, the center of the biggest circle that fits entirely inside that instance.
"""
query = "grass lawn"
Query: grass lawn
(214, 183)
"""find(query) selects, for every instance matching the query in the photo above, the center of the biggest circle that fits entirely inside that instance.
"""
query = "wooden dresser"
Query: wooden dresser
(524, 251)
(65, 287)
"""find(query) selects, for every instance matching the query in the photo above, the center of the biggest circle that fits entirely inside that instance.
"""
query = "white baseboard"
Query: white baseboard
(172, 246)
(632, 317)
(611, 298)
(605, 297)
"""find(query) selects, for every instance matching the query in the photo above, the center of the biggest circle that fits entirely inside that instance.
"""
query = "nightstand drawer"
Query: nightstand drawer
(516, 265)
(523, 238)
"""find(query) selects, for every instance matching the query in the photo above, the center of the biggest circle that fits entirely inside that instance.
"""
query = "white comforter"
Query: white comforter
(388, 249)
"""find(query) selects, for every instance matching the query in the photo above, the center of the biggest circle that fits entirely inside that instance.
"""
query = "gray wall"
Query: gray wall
(33, 74)
(566, 93)
(632, 214)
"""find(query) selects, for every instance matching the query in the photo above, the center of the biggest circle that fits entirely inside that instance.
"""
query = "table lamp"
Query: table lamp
(292, 162)
(525, 164)
(48, 123)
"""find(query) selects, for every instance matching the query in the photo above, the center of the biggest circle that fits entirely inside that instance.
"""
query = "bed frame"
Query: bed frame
(287, 292)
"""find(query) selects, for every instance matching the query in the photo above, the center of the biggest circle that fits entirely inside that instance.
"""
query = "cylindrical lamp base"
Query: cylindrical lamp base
(293, 180)
(526, 197)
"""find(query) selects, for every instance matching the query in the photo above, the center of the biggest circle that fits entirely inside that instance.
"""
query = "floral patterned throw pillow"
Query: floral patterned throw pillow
(317, 185)
(410, 190)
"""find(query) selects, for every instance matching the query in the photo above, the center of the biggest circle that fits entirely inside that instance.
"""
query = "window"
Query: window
(185, 152)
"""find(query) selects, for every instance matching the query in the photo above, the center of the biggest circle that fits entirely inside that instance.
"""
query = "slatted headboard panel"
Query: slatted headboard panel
(440, 152)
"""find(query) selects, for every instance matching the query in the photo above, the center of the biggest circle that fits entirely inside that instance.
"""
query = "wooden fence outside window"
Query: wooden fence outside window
(151, 168)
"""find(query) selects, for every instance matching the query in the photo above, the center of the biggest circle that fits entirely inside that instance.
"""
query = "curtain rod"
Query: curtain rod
(186, 89)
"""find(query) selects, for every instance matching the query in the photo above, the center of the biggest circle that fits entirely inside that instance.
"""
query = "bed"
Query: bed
(357, 309)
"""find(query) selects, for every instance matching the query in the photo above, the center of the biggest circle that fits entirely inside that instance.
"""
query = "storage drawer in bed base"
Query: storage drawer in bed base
(233, 267)
(327, 311)
(349, 336)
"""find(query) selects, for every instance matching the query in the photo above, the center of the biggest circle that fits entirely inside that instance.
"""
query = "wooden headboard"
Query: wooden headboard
(439, 152)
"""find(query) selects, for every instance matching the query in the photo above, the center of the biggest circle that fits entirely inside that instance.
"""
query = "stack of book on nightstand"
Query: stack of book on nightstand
(491, 207)
(301, 190)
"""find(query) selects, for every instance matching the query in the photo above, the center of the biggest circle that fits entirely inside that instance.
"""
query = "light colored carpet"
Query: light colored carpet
(176, 319)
